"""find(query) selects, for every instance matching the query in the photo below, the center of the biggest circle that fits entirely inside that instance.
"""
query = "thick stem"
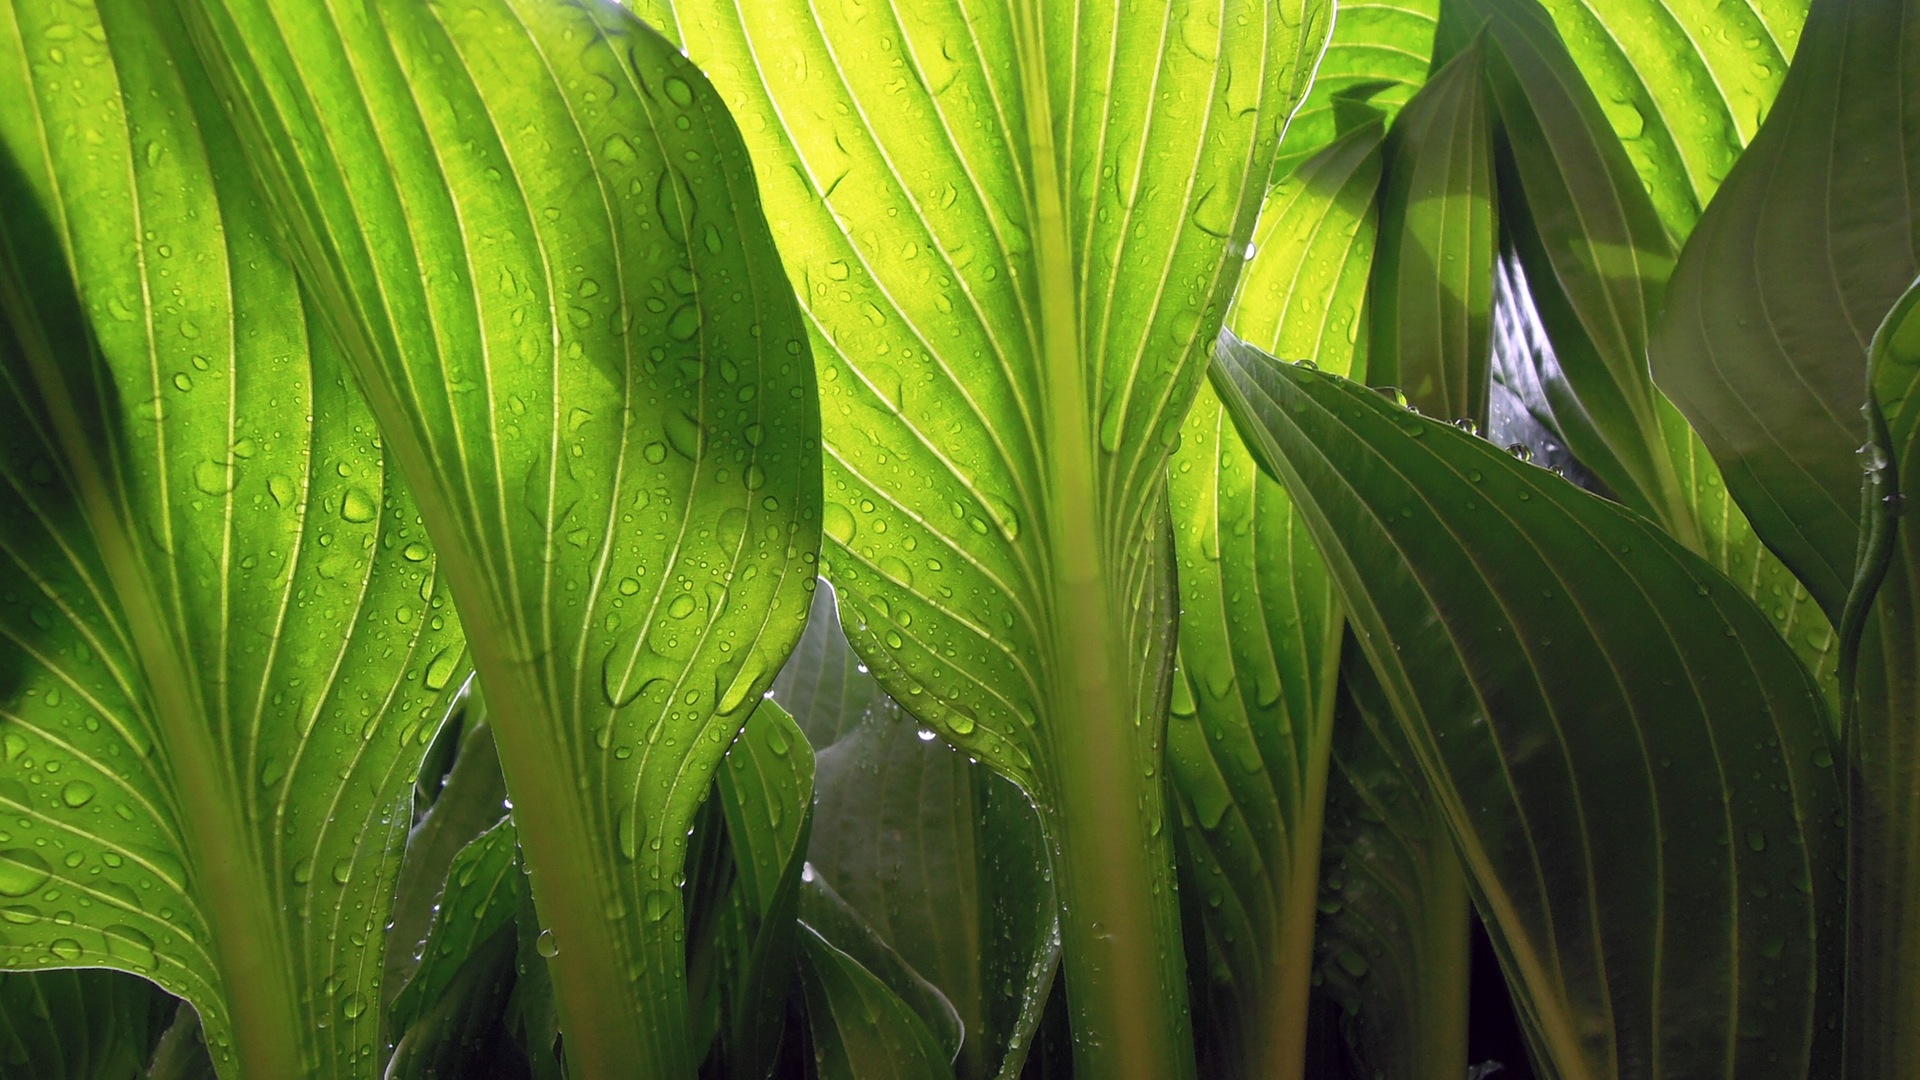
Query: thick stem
(619, 982)
(1883, 805)
(1439, 1035)
(1279, 1019)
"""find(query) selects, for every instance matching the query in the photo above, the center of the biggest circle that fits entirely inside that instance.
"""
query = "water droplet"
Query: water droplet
(65, 948)
(213, 477)
(1756, 838)
(303, 871)
(681, 606)
(416, 552)
(685, 322)
(281, 489)
(838, 522)
(22, 871)
(657, 904)
(1353, 963)
(77, 794)
(342, 871)
(358, 507)
(440, 668)
(545, 945)
(678, 90)
(627, 832)
(132, 946)
(353, 1006)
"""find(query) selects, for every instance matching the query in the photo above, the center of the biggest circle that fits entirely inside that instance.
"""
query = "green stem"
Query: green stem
(1105, 812)
(619, 982)
(263, 1011)
(1883, 805)
(1439, 1023)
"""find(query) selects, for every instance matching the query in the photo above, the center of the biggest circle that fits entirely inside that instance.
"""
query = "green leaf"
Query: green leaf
(471, 801)
(1432, 288)
(533, 227)
(826, 914)
(1684, 84)
(1379, 51)
(1303, 294)
(1883, 968)
(483, 893)
(227, 640)
(946, 862)
(75, 1024)
(860, 1028)
(1647, 811)
(1592, 253)
(1763, 340)
(766, 794)
(929, 854)
(1015, 229)
(1391, 942)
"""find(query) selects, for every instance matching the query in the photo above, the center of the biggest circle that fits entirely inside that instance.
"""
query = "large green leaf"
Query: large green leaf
(1392, 939)
(1763, 339)
(1015, 226)
(1260, 633)
(1431, 298)
(76, 1024)
(532, 225)
(860, 1028)
(1684, 84)
(226, 636)
(1379, 50)
(1591, 252)
(1633, 764)
(934, 856)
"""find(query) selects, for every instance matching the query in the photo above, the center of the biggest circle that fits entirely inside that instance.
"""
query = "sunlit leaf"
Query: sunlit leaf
(1379, 50)
(533, 228)
(1015, 228)
(227, 637)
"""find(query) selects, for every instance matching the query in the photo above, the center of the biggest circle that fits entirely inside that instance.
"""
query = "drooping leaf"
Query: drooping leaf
(1431, 297)
(227, 639)
(860, 1028)
(78, 1024)
(1391, 943)
(935, 856)
(1684, 84)
(1763, 340)
(532, 226)
(1647, 811)
(1015, 228)
(1379, 51)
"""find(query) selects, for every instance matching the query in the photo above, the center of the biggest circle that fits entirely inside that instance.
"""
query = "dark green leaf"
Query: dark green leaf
(1763, 341)
(1635, 768)
(1391, 943)
(75, 1024)
(860, 1028)
(837, 923)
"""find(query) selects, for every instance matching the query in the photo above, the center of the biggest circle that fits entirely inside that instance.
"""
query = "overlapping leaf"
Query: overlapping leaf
(79, 1024)
(533, 227)
(1379, 52)
(1014, 227)
(1684, 84)
(1813, 236)
(1647, 811)
(226, 636)
(939, 859)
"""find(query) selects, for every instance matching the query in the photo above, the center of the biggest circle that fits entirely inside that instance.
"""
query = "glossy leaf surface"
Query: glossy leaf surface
(1647, 812)
(860, 1028)
(533, 227)
(1379, 52)
(1763, 341)
(227, 639)
(1015, 227)
(938, 858)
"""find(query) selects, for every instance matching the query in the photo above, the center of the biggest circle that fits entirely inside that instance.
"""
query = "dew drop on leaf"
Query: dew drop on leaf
(545, 945)
(65, 948)
(656, 905)
(77, 794)
(22, 871)
(357, 506)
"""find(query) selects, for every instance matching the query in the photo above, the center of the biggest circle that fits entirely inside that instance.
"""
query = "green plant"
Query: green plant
(425, 425)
